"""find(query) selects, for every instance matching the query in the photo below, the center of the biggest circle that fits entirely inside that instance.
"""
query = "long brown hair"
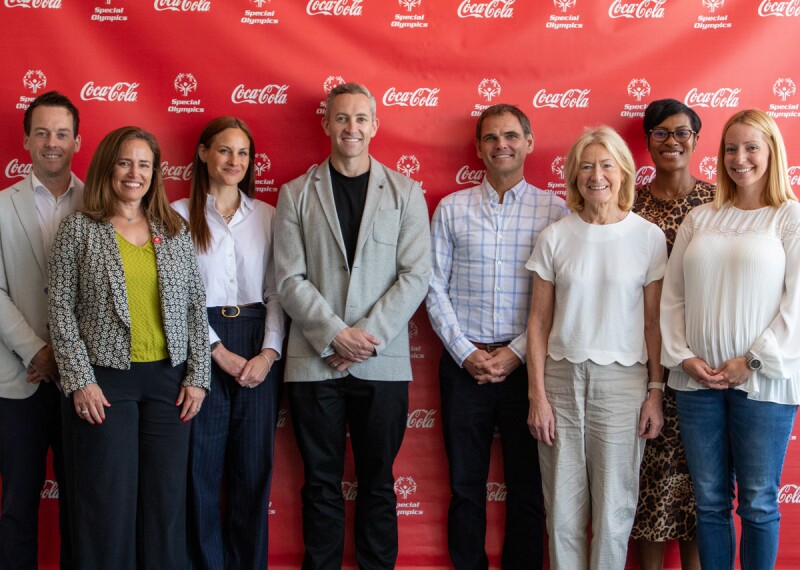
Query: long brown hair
(99, 200)
(198, 190)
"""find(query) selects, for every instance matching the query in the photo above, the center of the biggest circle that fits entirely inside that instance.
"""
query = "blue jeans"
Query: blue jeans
(729, 438)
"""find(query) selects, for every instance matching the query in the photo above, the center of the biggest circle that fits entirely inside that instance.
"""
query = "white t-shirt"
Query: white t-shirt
(732, 286)
(599, 273)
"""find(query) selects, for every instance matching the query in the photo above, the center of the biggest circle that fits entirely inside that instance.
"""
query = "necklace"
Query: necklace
(229, 217)
(658, 193)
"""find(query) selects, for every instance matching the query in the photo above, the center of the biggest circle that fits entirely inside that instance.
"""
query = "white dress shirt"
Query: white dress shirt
(237, 268)
(51, 210)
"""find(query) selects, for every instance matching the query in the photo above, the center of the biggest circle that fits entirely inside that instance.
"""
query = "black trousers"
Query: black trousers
(470, 413)
(28, 428)
(376, 413)
(127, 476)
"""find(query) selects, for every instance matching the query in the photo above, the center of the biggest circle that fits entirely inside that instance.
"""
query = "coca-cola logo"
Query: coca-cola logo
(569, 99)
(794, 175)
(405, 486)
(182, 5)
(495, 492)
(272, 94)
(421, 418)
(787, 9)
(176, 172)
(408, 164)
(642, 9)
(350, 490)
(645, 175)
(489, 88)
(283, 413)
(34, 80)
(639, 88)
(724, 97)
(121, 92)
(17, 169)
(53, 4)
(491, 9)
(557, 167)
(466, 175)
(789, 494)
(708, 167)
(49, 489)
(334, 7)
(332, 81)
(262, 163)
(421, 97)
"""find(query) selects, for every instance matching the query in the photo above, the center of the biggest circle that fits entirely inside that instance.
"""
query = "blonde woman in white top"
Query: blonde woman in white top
(730, 310)
(232, 440)
(593, 345)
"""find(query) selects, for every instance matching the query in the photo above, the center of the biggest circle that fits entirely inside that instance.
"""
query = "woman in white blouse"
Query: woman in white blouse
(593, 345)
(232, 440)
(730, 310)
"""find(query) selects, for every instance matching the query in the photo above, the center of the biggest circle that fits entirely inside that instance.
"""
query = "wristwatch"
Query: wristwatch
(655, 385)
(753, 362)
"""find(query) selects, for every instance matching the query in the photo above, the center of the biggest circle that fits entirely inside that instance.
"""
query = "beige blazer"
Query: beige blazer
(379, 294)
(23, 288)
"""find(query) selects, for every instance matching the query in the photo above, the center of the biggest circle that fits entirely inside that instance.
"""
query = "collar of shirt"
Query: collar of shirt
(514, 193)
(40, 188)
(245, 208)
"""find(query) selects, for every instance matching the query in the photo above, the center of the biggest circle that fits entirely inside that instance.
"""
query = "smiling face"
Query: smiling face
(227, 158)
(51, 142)
(503, 147)
(133, 172)
(671, 155)
(746, 158)
(599, 177)
(351, 125)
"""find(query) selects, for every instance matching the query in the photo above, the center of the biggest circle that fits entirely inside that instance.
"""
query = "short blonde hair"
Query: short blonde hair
(619, 151)
(778, 189)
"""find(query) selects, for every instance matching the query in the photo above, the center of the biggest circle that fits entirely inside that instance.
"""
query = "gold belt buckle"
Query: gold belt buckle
(227, 316)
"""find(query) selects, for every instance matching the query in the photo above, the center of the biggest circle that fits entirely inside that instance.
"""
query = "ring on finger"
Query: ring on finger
(84, 412)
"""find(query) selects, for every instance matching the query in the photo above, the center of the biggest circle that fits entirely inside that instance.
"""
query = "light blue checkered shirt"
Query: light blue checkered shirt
(480, 290)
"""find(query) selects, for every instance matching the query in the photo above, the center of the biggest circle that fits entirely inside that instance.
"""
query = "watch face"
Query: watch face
(755, 364)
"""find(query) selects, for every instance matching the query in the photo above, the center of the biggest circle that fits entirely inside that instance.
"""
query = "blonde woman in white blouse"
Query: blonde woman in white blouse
(730, 308)
(233, 439)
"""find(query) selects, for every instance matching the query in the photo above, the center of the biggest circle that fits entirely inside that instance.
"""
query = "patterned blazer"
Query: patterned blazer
(88, 303)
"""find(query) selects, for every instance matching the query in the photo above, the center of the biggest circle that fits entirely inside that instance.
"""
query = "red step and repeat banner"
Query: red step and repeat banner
(433, 65)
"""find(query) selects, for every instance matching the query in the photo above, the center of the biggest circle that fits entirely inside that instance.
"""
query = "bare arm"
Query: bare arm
(541, 421)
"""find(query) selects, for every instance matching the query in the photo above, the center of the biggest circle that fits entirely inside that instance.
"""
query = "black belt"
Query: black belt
(234, 311)
(492, 346)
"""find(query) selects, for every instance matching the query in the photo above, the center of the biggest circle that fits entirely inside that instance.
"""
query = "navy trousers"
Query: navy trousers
(28, 428)
(232, 447)
(376, 413)
(127, 476)
(470, 413)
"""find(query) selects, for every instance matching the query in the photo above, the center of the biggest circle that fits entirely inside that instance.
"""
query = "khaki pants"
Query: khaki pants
(591, 473)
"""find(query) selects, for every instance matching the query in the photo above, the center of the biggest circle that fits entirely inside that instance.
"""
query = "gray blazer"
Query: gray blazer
(386, 284)
(23, 288)
(89, 317)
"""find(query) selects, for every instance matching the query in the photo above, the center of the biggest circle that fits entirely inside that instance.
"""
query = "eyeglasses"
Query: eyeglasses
(680, 135)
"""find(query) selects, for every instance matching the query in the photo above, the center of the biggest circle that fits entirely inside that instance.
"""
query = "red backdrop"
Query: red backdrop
(433, 65)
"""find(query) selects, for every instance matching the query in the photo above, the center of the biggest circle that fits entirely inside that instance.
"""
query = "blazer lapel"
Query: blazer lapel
(324, 187)
(25, 205)
(374, 197)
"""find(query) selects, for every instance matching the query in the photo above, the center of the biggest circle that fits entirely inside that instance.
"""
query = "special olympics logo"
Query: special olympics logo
(489, 88)
(405, 486)
(34, 80)
(409, 4)
(708, 167)
(712, 5)
(408, 165)
(564, 5)
(332, 81)
(783, 88)
(645, 175)
(495, 492)
(557, 167)
(262, 163)
(185, 82)
(639, 88)
(260, 3)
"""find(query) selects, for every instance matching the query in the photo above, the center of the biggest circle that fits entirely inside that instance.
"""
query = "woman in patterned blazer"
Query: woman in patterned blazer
(130, 335)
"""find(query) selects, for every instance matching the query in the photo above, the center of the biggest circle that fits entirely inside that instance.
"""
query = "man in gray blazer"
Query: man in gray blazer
(352, 261)
(30, 212)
